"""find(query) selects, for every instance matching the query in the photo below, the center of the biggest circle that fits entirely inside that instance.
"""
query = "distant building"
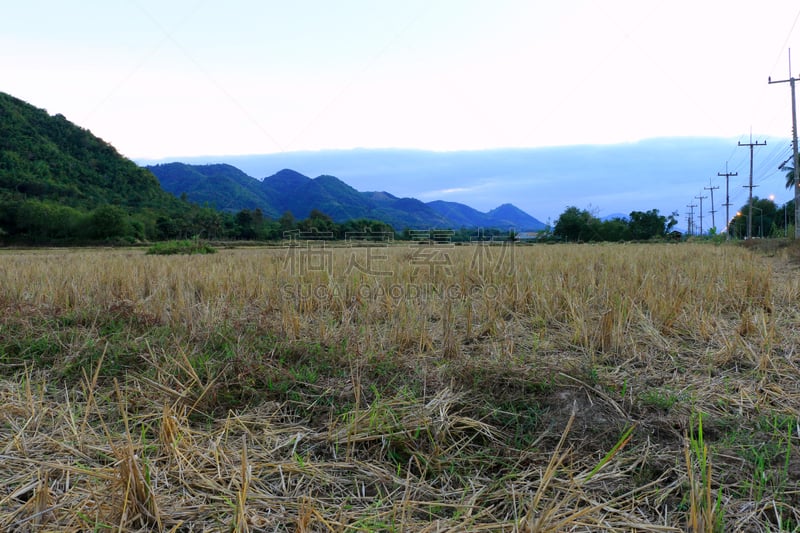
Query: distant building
(528, 235)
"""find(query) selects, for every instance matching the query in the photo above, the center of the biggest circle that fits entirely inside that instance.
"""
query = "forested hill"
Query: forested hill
(49, 158)
(58, 181)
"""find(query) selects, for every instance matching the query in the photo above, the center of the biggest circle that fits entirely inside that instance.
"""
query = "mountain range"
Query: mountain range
(661, 173)
(227, 188)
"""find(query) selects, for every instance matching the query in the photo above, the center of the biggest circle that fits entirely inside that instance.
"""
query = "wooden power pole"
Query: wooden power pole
(727, 203)
(751, 144)
(713, 210)
(795, 157)
(701, 198)
(691, 218)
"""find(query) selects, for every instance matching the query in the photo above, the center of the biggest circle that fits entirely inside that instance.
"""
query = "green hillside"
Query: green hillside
(60, 183)
(49, 158)
(221, 186)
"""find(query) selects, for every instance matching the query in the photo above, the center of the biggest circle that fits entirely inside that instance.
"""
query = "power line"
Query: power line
(774, 156)
(788, 36)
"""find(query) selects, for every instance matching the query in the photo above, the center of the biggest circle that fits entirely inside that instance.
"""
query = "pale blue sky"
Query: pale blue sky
(177, 78)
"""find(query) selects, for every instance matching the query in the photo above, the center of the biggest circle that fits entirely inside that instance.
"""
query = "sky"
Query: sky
(169, 80)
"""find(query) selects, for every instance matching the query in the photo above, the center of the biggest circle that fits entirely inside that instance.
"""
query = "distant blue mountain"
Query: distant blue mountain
(459, 214)
(506, 216)
(226, 187)
(613, 216)
(663, 173)
(510, 216)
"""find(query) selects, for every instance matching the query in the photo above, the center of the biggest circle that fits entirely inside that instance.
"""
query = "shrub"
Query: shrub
(192, 246)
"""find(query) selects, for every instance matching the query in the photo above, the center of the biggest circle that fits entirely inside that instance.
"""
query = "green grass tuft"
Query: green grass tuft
(186, 247)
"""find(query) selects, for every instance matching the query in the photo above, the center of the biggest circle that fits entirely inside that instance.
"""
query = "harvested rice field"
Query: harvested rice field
(639, 387)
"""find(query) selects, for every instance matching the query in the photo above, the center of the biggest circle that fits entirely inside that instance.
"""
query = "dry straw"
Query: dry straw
(555, 389)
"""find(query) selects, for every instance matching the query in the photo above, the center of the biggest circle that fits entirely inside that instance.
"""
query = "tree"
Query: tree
(271, 231)
(137, 229)
(207, 222)
(245, 224)
(167, 228)
(258, 217)
(43, 220)
(364, 228)
(109, 221)
(646, 225)
(615, 229)
(287, 221)
(790, 178)
(672, 221)
(317, 221)
(764, 216)
(577, 225)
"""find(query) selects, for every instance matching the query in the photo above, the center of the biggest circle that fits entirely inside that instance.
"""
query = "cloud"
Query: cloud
(438, 193)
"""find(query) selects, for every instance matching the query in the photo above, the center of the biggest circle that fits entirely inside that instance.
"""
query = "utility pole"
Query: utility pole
(795, 158)
(727, 203)
(751, 144)
(713, 220)
(701, 198)
(691, 218)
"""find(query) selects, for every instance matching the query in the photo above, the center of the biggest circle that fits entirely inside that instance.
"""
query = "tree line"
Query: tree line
(44, 221)
(580, 225)
(768, 219)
